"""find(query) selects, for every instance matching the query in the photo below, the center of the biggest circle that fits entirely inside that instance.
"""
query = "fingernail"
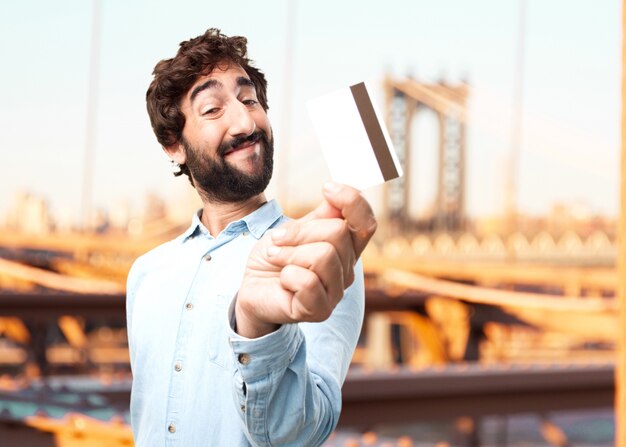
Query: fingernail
(279, 233)
(332, 187)
(273, 250)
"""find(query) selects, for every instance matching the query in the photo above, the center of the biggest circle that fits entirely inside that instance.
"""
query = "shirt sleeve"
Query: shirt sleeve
(287, 384)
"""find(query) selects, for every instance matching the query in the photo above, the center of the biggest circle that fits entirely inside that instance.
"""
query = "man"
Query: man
(240, 331)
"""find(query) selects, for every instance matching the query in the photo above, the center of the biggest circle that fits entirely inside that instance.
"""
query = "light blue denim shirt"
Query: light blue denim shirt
(196, 382)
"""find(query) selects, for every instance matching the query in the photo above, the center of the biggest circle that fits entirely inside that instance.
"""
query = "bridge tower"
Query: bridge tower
(404, 99)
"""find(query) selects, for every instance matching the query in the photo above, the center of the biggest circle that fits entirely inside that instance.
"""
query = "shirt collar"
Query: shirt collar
(256, 222)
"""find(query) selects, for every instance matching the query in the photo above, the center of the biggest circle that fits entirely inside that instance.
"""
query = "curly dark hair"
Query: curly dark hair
(174, 77)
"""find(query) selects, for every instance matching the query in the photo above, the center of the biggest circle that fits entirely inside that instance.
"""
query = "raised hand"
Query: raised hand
(299, 271)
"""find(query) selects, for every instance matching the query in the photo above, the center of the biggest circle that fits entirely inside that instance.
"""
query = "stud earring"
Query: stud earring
(175, 167)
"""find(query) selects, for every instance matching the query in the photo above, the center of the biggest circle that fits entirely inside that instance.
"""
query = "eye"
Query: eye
(211, 111)
(250, 102)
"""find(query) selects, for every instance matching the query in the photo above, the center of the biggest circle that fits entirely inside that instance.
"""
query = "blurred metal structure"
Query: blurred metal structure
(425, 343)
(620, 396)
(282, 174)
(371, 398)
(512, 181)
(405, 98)
(91, 117)
(57, 415)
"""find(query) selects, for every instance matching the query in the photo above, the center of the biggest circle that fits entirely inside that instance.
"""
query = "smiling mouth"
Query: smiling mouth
(248, 142)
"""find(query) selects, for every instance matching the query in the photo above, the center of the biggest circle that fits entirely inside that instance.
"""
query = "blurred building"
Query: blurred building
(184, 203)
(30, 213)
(120, 214)
(154, 208)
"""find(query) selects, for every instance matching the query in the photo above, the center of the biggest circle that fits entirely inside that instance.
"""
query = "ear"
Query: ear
(176, 152)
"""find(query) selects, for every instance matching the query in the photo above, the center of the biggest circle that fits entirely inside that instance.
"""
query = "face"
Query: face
(227, 141)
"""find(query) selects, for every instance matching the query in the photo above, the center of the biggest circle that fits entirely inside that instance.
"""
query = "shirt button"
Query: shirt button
(171, 428)
(189, 306)
(244, 359)
(178, 366)
(207, 257)
(245, 233)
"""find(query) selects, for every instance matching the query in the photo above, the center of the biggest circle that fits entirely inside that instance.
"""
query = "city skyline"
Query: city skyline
(570, 135)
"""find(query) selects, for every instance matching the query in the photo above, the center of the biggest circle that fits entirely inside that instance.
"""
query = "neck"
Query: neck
(217, 215)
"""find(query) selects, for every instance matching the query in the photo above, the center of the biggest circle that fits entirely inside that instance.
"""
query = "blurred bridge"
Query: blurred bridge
(453, 328)
(570, 276)
(404, 99)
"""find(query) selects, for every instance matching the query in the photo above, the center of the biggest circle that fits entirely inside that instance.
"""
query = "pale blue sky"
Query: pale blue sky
(570, 147)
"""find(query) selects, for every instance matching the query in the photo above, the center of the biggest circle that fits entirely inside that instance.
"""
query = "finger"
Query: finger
(323, 211)
(320, 257)
(298, 232)
(333, 231)
(274, 310)
(310, 301)
(355, 210)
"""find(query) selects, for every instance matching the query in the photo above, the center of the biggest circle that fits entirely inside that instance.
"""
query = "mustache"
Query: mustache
(237, 141)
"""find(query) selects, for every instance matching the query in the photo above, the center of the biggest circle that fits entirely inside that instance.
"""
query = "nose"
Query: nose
(241, 121)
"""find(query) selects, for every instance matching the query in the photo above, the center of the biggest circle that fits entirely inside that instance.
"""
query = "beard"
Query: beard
(219, 181)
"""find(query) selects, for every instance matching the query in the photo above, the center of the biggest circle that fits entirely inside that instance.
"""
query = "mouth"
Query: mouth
(237, 146)
(242, 152)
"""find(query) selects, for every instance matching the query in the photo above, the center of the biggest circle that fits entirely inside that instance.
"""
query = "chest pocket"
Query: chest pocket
(219, 352)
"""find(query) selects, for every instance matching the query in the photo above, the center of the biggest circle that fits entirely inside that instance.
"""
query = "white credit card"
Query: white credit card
(354, 139)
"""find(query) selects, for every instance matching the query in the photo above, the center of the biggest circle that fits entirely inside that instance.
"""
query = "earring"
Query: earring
(175, 167)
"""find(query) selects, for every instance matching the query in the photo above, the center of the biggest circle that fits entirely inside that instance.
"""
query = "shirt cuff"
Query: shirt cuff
(257, 357)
